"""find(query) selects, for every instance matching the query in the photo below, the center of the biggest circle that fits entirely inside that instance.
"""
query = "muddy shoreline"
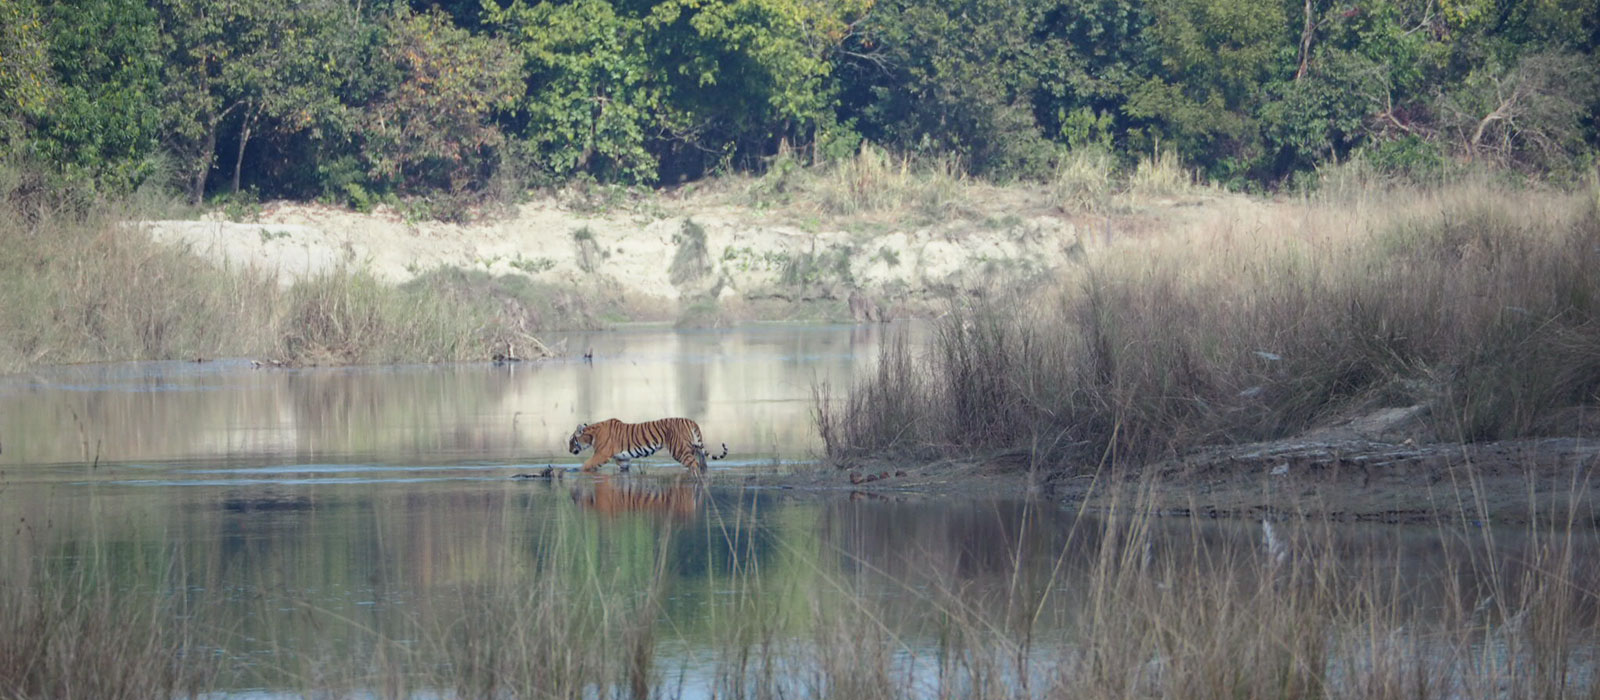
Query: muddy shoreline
(1547, 481)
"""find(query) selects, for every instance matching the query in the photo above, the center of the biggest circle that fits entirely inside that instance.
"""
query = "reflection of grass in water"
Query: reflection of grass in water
(585, 608)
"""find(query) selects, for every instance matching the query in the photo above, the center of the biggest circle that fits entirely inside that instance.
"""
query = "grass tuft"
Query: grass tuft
(1083, 180)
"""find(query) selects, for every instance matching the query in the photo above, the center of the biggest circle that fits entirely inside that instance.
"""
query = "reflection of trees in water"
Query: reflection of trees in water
(974, 546)
(309, 570)
(132, 411)
(172, 411)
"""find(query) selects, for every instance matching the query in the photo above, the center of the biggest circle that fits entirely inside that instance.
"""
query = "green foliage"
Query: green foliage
(248, 69)
(1322, 117)
(953, 78)
(27, 84)
(432, 129)
(1411, 158)
(361, 103)
(1212, 58)
(94, 115)
(589, 103)
(627, 91)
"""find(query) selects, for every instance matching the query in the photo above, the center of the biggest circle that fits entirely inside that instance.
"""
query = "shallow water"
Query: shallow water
(751, 387)
(316, 515)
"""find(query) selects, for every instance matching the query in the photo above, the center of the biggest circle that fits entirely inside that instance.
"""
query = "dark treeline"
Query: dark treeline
(358, 100)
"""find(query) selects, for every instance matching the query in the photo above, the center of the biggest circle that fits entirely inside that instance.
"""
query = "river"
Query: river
(347, 530)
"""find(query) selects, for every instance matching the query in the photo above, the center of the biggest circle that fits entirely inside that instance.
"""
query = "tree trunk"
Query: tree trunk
(1305, 42)
(197, 185)
(244, 138)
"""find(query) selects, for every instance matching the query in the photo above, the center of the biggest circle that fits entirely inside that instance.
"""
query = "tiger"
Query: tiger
(624, 442)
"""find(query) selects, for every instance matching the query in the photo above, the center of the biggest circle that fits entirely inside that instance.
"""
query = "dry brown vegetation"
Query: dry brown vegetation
(1133, 606)
(1476, 301)
(80, 285)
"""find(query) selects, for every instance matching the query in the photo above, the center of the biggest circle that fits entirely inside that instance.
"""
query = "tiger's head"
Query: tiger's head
(580, 439)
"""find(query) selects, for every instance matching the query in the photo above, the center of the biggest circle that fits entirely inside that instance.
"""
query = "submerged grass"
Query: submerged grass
(1477, 303)
(1127, 605)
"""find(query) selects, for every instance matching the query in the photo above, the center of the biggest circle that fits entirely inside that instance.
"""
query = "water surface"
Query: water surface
(306, 523)
(751, 387)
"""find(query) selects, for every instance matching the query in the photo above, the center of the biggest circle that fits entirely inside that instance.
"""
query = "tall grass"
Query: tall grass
(873, 182)
(1476, 302)
(78, 284)
(1128, 605)
(1160, 175)
(1083, 180)
(74, 635)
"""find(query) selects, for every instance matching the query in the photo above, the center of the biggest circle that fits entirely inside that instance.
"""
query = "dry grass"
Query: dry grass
(1132, 606)
(1083, 180)
(1477, 302)
(876, 188)
(1160, 175)
(80, 286)
(75, 635)
(873, 185)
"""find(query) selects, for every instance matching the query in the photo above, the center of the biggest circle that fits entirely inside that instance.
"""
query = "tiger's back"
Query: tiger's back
(624, 442)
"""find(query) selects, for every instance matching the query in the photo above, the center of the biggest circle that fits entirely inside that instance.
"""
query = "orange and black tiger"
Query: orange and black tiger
(614, 439)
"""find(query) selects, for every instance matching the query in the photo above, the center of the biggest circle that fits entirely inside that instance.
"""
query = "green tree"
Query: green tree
(955, 78)
(615, 89)
(591, 100)
(27, 86)
(1089, 53)
(95, 117)
(1532, 112)
(1212, 60)
(243, 62)
(433, 127)
(742, 75)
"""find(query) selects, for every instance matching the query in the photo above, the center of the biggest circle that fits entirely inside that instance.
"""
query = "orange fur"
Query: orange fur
(624, 442)
(678, 501)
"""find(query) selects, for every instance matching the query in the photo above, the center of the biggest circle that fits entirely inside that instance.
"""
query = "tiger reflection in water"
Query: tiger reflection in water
(678, 501)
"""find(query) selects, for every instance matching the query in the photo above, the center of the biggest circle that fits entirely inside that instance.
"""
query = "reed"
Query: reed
(1125, 604)
(1475, 302)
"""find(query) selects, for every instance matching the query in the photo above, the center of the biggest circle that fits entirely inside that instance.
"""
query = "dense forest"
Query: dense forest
(354, 101)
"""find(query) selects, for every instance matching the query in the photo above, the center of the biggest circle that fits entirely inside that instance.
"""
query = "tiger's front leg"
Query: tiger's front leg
(595, 460)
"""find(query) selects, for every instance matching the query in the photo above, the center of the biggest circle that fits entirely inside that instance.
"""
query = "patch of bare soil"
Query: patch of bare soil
(670, 255)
